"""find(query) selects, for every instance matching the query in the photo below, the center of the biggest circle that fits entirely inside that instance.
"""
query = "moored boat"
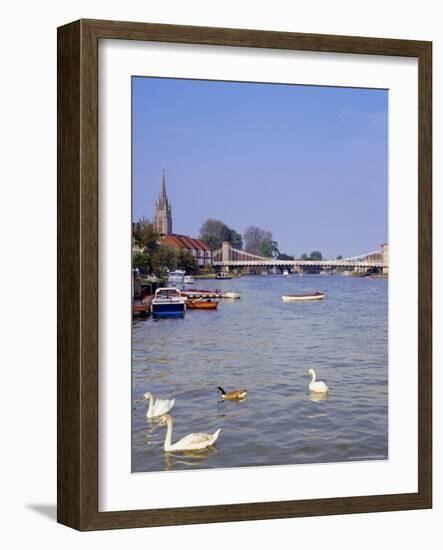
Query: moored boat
(189, 280)
(231, 295)
(140, 309)
(223, 275)
(191, 293)
(143, 307)
(176, 277)
(286, 272)
(168, 302)
(201, 303)
(302, 297)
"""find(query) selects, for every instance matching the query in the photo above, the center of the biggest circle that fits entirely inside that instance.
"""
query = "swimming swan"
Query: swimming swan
(191, 442)
(317, 387)
(157, 407)
(232, 395)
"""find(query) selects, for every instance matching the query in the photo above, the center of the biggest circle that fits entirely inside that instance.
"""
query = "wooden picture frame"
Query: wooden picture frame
(77, 455)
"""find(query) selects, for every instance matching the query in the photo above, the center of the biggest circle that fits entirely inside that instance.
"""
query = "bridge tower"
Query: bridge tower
(226, 247)
(385, 256)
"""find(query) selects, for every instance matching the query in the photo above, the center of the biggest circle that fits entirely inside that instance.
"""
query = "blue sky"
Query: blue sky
(308, 163)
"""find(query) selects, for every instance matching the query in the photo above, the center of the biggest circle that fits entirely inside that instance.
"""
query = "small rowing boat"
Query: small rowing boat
(231, 295)
(303, 297)
(141, 309)
(191, 293)
(201, 304)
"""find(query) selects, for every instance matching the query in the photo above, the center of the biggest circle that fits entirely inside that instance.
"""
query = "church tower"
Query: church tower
(163, 211)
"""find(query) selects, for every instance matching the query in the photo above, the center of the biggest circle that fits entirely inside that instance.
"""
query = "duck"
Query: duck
(157, 407)
(317, 387)
(191, 442)
(233, 395)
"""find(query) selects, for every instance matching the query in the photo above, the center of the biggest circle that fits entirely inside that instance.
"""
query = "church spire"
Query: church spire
(163, 197)
(163, 211)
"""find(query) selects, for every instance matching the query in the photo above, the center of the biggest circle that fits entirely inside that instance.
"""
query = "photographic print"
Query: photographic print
(260, 265)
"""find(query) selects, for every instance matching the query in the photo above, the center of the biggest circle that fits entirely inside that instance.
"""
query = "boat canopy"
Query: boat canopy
(167, 293)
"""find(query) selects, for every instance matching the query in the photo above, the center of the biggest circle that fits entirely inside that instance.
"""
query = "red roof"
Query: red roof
(183, 241)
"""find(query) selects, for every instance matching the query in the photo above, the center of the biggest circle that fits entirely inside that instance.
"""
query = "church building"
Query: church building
(163, 225)
(163, 211)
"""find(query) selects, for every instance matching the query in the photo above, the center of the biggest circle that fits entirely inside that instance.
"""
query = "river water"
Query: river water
(267, 346)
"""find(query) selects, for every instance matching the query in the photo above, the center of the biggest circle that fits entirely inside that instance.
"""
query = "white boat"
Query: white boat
(346, 273)
(303, 297)
(168, 302)
(231, 295)
(223, 275)
(189, 280)
(286, 272)
(176, 277)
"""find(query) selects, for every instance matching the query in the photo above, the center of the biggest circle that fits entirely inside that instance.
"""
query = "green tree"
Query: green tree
(283, 256)
(145, 236)
(265, 249)
(304, 257)
(259, 240)
(316, 255)
(186, 261)
(215, 232)
(339, 257)
(164, 258)
(235, 239)
(143, 261)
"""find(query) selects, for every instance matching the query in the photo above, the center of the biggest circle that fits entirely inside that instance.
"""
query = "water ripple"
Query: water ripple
(266, 346)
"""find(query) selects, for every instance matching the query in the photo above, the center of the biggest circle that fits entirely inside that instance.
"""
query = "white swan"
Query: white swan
(191, 442)
(157, 407)
(317, 387)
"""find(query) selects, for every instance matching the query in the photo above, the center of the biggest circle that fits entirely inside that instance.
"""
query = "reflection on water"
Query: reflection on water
(267, 346)
(316, 397)
(188, 458)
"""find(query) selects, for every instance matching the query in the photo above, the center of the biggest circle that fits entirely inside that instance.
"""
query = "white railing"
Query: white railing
(249, 260)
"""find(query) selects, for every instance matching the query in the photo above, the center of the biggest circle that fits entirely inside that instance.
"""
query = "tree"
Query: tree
(235, 239)
(186, 261)
(142, 261)
(164, 258)
(257, 241)
(265, 249)
(215, 232)
(316, 255)
(145, 236)
(339, 257)
(304, 257)
(286, 257)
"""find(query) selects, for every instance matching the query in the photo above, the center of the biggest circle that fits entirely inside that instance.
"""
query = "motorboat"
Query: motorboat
(168, 302)
(285, 272)
(189, 280)
(223, 275)
(176, 277)
(303, 297)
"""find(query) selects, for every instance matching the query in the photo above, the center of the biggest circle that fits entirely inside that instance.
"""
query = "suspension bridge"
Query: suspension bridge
(227, 257)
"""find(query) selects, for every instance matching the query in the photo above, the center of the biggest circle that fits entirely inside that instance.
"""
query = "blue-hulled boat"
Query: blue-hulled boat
(168, 302)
